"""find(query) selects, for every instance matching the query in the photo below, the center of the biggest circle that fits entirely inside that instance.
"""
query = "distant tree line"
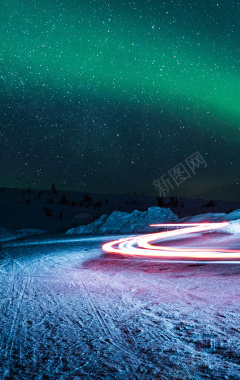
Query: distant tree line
(173, 201)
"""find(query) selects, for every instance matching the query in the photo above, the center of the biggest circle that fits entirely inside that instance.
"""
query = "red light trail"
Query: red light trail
(140, 245)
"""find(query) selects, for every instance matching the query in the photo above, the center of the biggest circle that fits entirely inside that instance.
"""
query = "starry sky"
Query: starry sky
(108, 96)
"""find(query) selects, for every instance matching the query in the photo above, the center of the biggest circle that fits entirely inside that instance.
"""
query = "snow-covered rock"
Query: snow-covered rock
(124, 222)
(138, 222)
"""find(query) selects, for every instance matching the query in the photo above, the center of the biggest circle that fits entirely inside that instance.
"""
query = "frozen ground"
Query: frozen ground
(69, 311)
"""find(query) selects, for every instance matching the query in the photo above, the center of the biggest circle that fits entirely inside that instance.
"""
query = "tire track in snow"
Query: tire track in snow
(113, 307)
(64, 311)
(13, 329)
(114, 338)
(103, 326)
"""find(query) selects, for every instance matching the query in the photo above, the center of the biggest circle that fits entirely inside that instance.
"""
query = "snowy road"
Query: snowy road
(71, 311)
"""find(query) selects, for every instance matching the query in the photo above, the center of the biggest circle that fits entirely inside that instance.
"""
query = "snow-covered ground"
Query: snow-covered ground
(69, 311)
(6, 234)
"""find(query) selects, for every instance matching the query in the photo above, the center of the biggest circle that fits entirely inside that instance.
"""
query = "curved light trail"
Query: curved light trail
(140, 245)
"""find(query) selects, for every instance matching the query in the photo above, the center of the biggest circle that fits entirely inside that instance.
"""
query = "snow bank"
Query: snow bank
(234, 222)
(233, 215)
(208, 217)
(233, 218)
(6, 234)
(126, 223)
(232, 228)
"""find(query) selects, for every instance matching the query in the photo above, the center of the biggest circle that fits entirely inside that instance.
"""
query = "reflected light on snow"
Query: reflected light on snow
(140, 245)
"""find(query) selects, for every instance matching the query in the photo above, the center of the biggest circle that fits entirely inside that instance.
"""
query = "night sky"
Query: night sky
(108, 96)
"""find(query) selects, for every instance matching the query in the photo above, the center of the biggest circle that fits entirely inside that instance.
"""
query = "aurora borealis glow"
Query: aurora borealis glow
(107, 96)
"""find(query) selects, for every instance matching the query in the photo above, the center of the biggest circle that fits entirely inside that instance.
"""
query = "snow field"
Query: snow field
(69, 311)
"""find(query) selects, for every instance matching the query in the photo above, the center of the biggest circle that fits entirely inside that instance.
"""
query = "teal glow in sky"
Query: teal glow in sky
(108, 96)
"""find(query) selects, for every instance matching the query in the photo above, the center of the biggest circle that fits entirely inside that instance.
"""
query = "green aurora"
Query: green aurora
(167, 63)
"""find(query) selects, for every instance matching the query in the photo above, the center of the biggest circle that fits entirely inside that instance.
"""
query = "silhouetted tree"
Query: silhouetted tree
(87, 198)
(173, 201)
(53, 188)
(63, 200)
(98, 204)
(209, 204)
